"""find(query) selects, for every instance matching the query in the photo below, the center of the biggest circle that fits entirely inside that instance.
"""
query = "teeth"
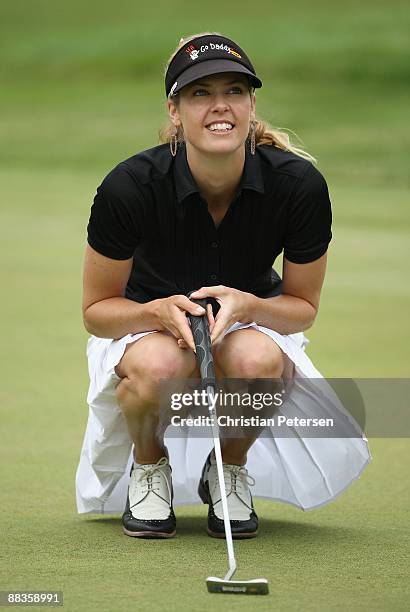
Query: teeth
(220, 126)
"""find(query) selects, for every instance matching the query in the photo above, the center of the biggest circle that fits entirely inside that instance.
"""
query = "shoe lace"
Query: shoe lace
(151, 476)
(238, 479)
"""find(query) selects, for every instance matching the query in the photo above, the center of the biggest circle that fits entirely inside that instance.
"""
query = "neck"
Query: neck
(216, 176)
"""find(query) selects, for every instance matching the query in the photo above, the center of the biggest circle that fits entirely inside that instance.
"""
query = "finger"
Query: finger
(188, 306)
(182, 344)
(222, 324)
(178, 325)
(184, 331)
(175, 331)
(211, 318)
(216, 291)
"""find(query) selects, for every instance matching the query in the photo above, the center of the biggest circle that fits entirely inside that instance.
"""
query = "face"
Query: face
(214, 112)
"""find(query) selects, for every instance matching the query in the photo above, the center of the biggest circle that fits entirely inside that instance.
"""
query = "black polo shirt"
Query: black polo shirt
(149, 208)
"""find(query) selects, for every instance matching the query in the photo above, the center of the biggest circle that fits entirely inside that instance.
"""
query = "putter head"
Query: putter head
(259, 586)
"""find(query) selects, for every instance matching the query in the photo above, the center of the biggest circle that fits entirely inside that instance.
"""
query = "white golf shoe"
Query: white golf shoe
(243, 519)
(148, 512)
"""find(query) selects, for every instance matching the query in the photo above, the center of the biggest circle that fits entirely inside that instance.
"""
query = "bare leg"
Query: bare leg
(143, 365)
(248, 354)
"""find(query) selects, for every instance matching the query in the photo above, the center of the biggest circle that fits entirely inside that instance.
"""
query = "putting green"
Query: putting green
(352, 554)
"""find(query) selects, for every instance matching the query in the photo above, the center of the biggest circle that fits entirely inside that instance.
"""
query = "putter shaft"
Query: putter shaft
(219, 465)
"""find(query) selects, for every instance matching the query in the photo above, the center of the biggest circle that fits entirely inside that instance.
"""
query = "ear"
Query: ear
(173, 113)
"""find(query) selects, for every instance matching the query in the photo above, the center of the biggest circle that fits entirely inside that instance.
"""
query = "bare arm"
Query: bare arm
(296, 309)
(108, 314)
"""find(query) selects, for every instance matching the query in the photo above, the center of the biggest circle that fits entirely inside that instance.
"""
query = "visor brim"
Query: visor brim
(209, 67)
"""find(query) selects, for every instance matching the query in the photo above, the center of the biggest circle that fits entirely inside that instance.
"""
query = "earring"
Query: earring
(173, 143)
(252, 137)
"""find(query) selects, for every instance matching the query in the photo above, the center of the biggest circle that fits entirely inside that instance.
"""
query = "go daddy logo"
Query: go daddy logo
(193, 52)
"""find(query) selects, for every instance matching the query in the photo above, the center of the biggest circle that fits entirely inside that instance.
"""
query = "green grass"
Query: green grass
(352, 554)
(81, 90)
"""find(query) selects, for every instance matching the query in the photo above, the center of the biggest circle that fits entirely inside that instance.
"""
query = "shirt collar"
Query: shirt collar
(185, 184)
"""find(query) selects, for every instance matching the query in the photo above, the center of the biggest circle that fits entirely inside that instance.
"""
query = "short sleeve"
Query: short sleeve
(114, 227)
(309, 222)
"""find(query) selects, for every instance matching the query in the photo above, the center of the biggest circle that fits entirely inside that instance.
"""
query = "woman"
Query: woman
(209, 210)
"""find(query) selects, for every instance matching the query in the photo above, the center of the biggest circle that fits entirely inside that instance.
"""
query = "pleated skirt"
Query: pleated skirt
(290, 468)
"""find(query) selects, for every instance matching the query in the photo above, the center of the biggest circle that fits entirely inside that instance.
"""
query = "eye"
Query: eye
(236, 90)
(199, 92)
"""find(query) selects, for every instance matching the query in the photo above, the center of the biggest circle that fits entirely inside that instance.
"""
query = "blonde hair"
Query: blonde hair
(264, 133)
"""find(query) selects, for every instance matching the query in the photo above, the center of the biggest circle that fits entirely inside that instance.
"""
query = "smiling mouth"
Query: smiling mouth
(220, 127)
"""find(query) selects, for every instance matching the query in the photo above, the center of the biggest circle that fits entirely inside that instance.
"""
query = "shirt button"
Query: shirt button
(214, 245)
(213, 276)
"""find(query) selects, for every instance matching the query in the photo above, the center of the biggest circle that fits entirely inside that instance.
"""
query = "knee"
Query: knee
(256, 365)
(143, 379)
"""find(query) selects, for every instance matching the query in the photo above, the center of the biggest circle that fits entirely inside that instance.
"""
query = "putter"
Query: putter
(200, 332)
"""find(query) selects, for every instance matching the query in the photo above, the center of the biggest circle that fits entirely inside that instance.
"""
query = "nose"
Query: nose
(219, 102)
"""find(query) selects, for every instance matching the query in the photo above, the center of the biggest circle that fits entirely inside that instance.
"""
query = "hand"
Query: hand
(235, 306)
(171, 315)
(211, 321)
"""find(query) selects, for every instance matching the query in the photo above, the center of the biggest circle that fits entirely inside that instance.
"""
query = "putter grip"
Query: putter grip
(202, 339)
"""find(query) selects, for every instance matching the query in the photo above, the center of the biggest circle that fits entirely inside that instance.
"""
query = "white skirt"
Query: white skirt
(304, 472)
